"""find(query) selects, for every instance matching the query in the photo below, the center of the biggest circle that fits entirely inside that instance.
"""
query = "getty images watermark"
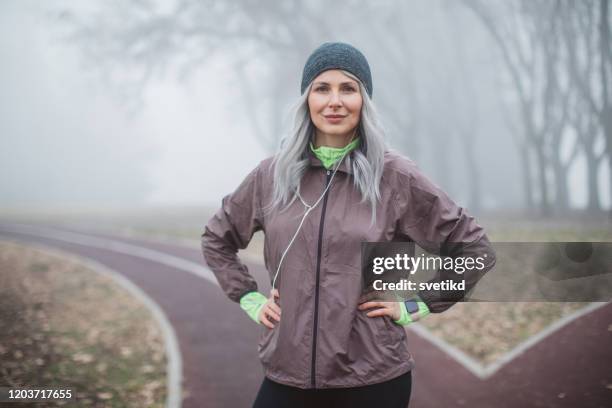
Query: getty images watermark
(424, 263)
(522, 271)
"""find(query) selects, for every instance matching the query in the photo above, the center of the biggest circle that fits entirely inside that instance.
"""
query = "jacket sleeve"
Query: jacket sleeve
(430, 218)
(229, 230)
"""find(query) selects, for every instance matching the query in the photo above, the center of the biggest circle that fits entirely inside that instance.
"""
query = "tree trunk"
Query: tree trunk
(605, 68)
(561, 192)
(541, 163)
(593, 203)
(475, 195)
(527, 177)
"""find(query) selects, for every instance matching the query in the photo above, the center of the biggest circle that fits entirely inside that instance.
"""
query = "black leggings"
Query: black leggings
(393, 393)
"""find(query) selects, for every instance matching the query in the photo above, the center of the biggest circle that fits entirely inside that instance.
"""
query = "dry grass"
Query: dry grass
(63, 325)
(486, 331)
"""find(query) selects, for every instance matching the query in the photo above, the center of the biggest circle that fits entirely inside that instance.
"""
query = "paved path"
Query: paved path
(571, 368)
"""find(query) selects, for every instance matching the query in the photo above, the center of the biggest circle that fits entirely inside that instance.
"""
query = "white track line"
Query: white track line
(175, 365)
(115, 246)
(485, 371)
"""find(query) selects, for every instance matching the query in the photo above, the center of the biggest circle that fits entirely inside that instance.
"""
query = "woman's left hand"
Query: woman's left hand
(391, 309)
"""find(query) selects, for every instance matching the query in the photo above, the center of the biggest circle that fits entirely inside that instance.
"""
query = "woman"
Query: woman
(332, 185)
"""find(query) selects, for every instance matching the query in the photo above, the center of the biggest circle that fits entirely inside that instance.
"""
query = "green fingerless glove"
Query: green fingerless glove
(252, 303)
(405, 317)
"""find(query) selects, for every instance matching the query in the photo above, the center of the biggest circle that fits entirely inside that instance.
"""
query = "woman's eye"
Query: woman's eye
(321, 89)
(349, 89)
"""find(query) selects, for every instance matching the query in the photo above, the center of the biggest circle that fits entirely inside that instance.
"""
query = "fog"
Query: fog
(81, 128)
(68, 142)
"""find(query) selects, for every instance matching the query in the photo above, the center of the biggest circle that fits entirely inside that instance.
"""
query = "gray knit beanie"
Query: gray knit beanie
(337, 55)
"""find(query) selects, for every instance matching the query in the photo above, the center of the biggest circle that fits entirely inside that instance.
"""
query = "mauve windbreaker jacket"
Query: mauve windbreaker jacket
(323, 340)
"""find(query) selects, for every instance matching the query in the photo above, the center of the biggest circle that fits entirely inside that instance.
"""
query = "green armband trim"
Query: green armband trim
(423, 309)
(405, 317)
(252, 303)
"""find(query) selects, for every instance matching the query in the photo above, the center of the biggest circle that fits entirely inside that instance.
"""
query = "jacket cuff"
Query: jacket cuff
(423, 309)
(405, 317)
(252, 303)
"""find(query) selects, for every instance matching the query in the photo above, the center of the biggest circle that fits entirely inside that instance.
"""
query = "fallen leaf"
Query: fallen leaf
(105, 395)
(83, 358)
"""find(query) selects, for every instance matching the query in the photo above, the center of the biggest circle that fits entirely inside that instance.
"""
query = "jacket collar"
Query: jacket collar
(315, 162)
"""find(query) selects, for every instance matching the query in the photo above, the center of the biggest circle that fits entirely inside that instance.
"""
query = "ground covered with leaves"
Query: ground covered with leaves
(63, 325)
(487, 331)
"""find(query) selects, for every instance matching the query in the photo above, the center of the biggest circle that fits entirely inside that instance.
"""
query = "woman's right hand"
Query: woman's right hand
(270, 310)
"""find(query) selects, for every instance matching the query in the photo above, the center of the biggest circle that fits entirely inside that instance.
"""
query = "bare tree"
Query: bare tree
(465, 118)
(527, 34)
(401, 102)
(605, 68)
(581, 44)
(426, 90)
(557, 94)
(130, 43)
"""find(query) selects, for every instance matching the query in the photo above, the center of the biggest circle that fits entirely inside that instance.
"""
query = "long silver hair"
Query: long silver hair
(291, 160)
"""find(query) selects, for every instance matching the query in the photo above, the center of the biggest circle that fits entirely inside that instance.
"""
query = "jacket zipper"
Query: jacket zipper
(316, 310)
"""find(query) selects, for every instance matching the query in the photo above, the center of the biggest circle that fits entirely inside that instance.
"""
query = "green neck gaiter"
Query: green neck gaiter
(330, 155)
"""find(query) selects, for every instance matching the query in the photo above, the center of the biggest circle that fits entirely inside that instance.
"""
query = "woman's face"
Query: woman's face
(335, 107)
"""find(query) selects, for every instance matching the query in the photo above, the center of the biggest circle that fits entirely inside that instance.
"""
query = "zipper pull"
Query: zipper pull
(328, 172)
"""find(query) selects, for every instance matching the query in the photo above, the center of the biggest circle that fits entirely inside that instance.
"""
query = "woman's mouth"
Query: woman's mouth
(334, 118)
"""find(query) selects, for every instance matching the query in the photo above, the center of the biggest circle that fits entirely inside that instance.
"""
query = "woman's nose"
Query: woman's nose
(334, 99)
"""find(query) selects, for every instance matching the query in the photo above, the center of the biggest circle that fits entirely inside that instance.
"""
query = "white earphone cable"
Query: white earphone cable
(309, 208)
